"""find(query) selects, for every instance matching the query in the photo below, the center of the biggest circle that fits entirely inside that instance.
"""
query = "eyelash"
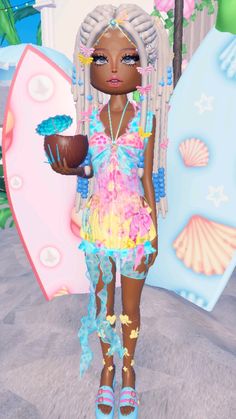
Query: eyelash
(99, 56)
(135, 57)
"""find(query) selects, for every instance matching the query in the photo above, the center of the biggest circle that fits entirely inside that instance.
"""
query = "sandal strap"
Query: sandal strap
(133, 393)
(105, 400)
(102, 390)
(128, 402)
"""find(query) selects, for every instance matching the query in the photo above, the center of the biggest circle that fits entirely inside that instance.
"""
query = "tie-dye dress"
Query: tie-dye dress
(116, 220)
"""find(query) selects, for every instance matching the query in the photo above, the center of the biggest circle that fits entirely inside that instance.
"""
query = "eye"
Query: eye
(130, 59)
(99, 59)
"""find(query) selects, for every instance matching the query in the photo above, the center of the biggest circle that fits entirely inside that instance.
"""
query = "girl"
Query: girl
(115, 54)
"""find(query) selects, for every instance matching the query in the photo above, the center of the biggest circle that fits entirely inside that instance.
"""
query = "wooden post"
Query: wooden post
(178, 37)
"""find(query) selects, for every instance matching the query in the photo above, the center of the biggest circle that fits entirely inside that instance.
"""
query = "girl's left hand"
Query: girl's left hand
(153, 256)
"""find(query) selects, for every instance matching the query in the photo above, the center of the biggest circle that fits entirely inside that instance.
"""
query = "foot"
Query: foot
(128, 380)
(106, 380)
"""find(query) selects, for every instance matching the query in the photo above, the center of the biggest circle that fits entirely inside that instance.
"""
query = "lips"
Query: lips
(114, 82)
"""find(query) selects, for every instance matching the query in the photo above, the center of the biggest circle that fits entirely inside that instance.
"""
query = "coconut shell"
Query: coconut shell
(73, 148)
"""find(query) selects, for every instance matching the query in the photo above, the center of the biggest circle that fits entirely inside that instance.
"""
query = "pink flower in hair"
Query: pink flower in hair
(166, 5)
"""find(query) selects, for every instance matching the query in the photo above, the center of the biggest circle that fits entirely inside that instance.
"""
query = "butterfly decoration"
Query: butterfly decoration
(145, 70)
(144, 89)
(85, 60)
(143, 134)
(87, 52)
(121, 18)
(165, 143)
(86, 115)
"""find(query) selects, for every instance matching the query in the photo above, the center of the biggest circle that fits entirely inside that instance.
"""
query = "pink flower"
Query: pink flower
(166, 5)
(141, 221)
(188, 8)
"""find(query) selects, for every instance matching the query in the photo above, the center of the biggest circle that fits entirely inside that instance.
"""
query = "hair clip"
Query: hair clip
(119, 19)
(144, 89)
(86, 51)
(165, 143)
(145, 70)
(85, 60)
(142, 133)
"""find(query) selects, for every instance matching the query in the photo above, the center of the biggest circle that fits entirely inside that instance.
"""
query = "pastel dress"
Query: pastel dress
(116, 221)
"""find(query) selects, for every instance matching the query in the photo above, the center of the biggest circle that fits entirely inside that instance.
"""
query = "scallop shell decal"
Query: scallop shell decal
(194, 152)
(206, 246)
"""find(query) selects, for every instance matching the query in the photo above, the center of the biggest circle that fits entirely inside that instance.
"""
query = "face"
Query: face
(114, 68)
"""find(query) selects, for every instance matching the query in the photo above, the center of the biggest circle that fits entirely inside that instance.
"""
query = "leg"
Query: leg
(132, 286)
(109, 368)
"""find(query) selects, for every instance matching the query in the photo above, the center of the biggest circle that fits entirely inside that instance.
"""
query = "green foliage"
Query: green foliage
(200, 6)
(7, 24)
(168, 23)
(9, 19)
(6, 220)
(169, 20)
(170, 13)
(24, 12)
(184, 49)
(155, 12)
(39, 34)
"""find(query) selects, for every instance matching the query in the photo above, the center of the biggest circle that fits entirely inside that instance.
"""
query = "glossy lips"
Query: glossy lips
(114, 81)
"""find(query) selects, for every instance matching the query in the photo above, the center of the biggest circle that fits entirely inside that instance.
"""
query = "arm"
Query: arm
(147, 176)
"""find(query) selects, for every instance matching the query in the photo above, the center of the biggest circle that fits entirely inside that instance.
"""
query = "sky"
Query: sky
(27, 28)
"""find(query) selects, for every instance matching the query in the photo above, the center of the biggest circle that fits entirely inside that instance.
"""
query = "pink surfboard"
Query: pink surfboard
(41, 200)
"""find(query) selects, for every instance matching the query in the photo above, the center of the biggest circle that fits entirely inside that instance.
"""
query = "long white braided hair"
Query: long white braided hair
(151, 39)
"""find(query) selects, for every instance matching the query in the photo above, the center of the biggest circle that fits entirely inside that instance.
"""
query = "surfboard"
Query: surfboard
(197, 239)
(40, 199)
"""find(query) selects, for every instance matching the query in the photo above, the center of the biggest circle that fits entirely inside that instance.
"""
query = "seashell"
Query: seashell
(194, 152)
(206, 246)
(62, 291)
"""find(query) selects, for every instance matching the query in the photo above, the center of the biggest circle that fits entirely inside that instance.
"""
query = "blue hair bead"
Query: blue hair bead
(89, 98)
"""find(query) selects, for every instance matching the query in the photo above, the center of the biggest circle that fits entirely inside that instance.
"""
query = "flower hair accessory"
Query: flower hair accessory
(145, 70)
(84, 59)
(87, 52)
(144, 89)
(115, 23)
(119, 20)
(142, 133)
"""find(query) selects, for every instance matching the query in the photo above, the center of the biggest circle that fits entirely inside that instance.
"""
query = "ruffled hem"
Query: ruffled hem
(94, 256)
(125, 254)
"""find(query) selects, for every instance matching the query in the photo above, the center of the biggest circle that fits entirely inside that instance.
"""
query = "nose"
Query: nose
(114, 65)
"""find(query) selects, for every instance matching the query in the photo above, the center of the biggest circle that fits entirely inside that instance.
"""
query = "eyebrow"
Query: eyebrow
(122, 49)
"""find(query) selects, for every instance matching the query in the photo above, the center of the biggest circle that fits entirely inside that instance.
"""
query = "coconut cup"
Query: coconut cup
(73, 148)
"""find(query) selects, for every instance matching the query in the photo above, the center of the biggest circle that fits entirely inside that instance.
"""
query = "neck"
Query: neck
(118, 102)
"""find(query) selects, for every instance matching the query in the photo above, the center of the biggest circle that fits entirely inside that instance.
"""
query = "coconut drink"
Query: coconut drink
(73, 148)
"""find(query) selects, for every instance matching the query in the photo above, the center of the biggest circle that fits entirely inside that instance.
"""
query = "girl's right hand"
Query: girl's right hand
(63, 169)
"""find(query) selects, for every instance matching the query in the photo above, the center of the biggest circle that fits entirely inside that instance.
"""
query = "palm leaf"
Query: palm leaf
(7, 24)
(24, 12)
(39, 34)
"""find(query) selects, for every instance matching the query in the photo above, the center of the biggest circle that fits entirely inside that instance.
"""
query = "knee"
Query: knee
(132, 311)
